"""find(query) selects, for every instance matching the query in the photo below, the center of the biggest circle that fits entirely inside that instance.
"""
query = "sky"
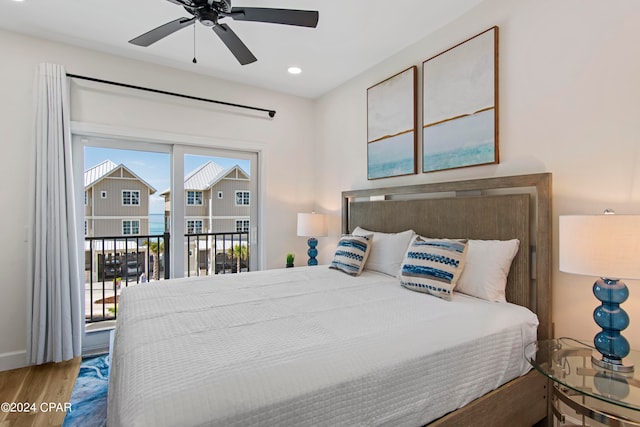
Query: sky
(154, 167)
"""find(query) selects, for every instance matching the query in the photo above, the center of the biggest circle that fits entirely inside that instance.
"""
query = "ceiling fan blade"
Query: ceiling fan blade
(162, 31)
(301, 18)
(235, 45)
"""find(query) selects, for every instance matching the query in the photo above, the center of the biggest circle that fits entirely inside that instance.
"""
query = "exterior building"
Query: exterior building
(116, 204)
(116, 201)
(217, 200)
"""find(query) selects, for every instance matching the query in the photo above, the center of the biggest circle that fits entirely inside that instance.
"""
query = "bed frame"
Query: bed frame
(493, 208)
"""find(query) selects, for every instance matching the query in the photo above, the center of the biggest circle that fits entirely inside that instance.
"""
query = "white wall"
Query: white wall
(569, 96)
(284, 139)
(569, 104)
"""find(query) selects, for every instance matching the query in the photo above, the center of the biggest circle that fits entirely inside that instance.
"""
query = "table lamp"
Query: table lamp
(312, 225)
(606, 246)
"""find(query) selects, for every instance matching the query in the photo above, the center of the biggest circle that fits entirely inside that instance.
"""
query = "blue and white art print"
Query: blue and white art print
(460, 114)
(391, 126)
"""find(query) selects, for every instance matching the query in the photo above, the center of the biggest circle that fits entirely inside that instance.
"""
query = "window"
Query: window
(85, 224)
(242, 198)
(194, 226)
(85, 199)
(130, 227)
(194, 198)
(192, 167)
(130, 197)
(242, 225)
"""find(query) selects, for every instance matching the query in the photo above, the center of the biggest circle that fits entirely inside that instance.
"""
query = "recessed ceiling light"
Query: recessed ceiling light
(294, 70)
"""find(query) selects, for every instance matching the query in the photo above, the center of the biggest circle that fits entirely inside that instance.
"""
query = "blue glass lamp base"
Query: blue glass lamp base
(611, 345)
(312, 252)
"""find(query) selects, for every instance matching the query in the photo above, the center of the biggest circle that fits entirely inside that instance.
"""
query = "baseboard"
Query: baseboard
(97, 342)
(13, 360)
(92, 344)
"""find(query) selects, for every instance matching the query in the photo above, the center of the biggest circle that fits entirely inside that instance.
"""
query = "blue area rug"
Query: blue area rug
(89, 395)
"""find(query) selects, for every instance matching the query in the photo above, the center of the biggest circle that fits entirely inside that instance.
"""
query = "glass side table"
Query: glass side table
(604, 396)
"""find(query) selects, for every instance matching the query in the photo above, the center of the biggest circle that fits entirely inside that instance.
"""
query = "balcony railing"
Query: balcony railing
(217, 253)
(111, 262)
(114, 262)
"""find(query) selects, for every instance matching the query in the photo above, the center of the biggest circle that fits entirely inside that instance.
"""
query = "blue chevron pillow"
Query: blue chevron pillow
(433, 266)
(351, 254)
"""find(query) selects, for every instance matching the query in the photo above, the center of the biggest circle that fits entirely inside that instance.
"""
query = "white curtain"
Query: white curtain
(54, 299)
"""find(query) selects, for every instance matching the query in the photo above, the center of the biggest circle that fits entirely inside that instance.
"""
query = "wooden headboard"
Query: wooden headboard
(513, 207)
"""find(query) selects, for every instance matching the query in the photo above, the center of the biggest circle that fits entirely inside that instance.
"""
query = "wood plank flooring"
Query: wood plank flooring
(45, 386)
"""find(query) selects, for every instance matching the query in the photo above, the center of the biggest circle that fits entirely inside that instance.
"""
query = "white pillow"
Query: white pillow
(487, 267)
(387, 250)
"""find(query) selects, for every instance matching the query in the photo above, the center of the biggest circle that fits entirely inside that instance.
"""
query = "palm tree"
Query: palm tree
(155, 247)
(240, 252)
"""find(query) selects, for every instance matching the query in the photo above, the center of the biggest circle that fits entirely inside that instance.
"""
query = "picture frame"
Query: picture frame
(392, 141)
(460, 105)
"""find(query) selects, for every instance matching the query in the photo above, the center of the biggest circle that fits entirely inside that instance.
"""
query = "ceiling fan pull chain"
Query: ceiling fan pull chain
(195, 61)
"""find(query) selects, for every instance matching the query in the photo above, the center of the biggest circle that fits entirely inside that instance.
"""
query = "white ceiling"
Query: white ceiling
(352, 36)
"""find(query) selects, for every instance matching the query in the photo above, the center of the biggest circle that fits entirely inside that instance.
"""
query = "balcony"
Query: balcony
(112, 263)
(231, 253)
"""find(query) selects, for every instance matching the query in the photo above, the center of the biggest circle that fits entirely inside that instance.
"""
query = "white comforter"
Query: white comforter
(306, 347)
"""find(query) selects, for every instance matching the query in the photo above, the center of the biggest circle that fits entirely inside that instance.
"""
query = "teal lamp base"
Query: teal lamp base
(312, 252)
(611, 345)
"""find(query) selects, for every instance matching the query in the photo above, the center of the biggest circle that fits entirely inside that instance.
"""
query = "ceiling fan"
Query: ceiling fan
(208, 12)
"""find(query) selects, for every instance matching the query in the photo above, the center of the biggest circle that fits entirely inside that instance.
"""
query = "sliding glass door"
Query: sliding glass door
(156, 211)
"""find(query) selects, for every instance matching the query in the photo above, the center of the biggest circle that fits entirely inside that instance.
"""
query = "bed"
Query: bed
(316, 346)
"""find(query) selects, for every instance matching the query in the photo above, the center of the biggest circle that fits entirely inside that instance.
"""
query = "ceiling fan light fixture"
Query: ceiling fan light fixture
(294, 70)
(208, 18)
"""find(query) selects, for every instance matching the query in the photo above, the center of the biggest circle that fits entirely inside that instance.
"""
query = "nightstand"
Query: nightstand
(606, 397)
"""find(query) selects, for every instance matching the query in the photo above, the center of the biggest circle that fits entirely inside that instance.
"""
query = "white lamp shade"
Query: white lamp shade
(600, 245)
(312, 225)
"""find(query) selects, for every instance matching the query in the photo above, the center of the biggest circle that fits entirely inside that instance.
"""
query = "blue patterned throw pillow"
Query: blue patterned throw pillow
(433, 266)
(351, 254)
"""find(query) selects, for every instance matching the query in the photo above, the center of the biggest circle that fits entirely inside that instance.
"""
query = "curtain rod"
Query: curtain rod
(271, 113)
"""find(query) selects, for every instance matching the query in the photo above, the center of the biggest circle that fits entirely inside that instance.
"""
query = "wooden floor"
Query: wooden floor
(46, 387)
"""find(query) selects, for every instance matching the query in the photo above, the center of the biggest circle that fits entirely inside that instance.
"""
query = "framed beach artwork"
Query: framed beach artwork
(460, 105)
(392, 126)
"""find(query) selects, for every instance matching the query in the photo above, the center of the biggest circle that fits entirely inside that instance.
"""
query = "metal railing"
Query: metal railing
(217, 253)
(116, 261)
